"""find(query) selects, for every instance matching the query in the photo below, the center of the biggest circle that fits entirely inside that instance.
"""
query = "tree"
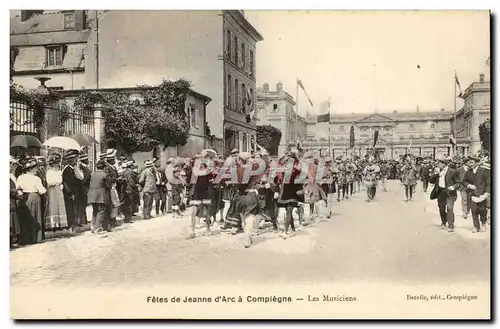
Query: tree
(269, 137)
(485, 135)
(135, 127)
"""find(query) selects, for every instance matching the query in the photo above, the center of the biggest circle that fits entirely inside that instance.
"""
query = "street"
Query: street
(387, 240)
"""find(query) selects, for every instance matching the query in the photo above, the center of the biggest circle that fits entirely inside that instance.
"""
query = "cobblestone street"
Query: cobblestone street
(387, 240)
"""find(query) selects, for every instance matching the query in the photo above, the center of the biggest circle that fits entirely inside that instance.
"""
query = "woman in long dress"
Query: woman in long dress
(55, 214)
(15, 195)
(30, 206)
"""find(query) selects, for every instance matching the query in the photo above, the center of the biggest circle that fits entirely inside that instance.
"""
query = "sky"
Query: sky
(369, 60)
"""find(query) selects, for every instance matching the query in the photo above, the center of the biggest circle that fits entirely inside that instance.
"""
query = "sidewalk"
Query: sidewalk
(463, 227)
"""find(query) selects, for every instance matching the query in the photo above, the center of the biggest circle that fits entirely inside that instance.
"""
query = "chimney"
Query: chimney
(265, 86)
(279, 87)
(481, 77)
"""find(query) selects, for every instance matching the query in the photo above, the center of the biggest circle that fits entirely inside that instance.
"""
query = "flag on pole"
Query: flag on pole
(323, 118)
(458, 85)
(299, 144)
(488, 61)
(324, 107)
(375, 138)
(248, 106)
(352, 141)
(453, 140)
(304, 90)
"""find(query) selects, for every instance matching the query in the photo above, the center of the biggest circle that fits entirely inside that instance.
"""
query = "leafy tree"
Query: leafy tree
(485, 135)
(135, 127)
(269, 137)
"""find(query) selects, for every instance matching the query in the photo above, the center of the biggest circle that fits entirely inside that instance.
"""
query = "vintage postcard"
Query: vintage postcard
(250, 164)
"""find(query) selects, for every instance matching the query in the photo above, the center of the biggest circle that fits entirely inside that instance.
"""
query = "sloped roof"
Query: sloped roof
(43, 29)
(46, 22)
(39, 39)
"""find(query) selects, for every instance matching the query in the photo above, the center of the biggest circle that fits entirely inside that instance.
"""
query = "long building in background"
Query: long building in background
(421, 133)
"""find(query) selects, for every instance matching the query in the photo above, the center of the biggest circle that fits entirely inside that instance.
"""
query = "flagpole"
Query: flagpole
(297, 98)
(329, 135)
(454, 114)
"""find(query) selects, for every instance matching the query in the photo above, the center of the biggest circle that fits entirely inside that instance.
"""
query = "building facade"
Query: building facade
(276, 108)
(418, 133)
(51, 44)
(421, 133)
(476, 110)
(240, 42)
(214, 50)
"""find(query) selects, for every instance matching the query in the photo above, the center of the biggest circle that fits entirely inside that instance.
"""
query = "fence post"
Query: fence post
(99, 123)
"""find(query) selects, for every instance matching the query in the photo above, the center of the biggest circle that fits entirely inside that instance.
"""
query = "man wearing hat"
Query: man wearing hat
(110, 161)
(447, 182)
(477, 180)
(81, 203)
(98, 198)
(72, 189)
(130, 189)
(148, 183)
(425, 171)
(161, 190)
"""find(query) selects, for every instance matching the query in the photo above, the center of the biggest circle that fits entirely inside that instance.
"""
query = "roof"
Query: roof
(33, 58)
(75, 92)
(43, 29)
(49, 21)
(396, 116)
(40, 39)
(240, 17)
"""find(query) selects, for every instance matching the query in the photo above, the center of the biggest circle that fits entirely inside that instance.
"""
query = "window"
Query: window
(192, 114)
(244, 140)
(69, 21)
(251, 63)
(237, 94)
(252, 96)
(236, 50)
(412, 126)
(433, 126)
(275, 107)
(229, 46)
(54, 56)
(341, 128)
(243, 96)
(243, 56)
(229, 90)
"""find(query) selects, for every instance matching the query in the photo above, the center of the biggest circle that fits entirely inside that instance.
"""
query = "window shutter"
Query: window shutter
(79, 20)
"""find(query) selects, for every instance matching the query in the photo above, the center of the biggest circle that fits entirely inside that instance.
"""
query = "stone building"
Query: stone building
(51, 44)
(476, 110)
(421, 133)
(89, 49)
(276, 108)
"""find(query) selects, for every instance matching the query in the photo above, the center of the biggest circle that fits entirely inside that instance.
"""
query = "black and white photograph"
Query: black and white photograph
(250, 164)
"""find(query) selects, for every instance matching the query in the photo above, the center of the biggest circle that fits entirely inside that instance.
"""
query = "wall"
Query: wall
(57, 80)
(162, 44)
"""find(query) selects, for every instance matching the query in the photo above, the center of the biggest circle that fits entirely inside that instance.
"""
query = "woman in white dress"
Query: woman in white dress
(55, 214)
(30, 206)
